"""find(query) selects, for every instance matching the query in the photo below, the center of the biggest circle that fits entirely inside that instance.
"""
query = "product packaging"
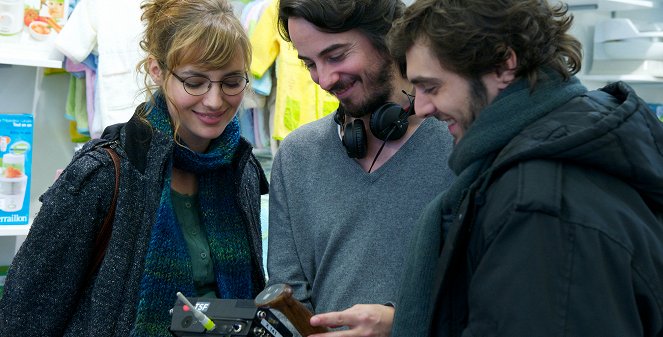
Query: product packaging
(657, 109)
(15, 164)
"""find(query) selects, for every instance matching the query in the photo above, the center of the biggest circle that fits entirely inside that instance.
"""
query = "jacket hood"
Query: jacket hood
(610, 130)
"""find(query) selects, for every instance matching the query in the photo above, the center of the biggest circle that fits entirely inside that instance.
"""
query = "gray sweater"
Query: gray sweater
(337, 234)
(45, 294)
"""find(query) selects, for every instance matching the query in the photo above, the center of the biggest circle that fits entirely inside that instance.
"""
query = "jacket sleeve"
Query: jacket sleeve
(413, 304)
(253, 184)
(46, 276)
(283, 262)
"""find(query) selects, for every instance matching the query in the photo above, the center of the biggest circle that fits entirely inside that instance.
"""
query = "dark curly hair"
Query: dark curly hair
(476, 37)
(371, 17)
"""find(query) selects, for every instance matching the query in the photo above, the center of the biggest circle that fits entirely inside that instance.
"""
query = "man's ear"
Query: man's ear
(507, 72)
(156, 73)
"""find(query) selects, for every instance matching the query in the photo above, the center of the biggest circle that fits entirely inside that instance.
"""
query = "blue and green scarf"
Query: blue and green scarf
(167, 263)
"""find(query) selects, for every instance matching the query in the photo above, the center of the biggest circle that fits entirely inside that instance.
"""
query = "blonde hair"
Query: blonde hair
(201, 32)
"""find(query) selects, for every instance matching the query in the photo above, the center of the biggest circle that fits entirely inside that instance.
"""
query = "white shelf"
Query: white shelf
(14, 230)
(611, 5)
(21, 49)
(47, 60)
(641, 79)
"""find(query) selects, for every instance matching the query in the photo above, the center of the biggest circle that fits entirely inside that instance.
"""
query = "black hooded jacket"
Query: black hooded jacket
(562, 236)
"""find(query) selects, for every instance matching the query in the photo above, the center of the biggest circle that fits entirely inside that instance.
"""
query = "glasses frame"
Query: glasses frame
(209, 86)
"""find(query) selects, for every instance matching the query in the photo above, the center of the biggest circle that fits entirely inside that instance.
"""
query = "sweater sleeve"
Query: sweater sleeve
(283, 259)
(46, 277)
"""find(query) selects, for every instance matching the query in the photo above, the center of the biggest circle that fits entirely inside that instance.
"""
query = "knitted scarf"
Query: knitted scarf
(167, 262)
(512, 110)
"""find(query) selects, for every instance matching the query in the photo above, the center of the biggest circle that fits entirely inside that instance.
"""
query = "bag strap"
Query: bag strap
(101, 243)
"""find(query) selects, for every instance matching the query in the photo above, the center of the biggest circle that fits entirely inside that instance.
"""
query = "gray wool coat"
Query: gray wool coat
(45, 293)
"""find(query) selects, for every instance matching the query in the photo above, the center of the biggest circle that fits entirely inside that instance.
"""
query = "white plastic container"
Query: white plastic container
(11, 17)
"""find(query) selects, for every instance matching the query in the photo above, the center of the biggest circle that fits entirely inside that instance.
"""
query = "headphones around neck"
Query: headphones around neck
(388, 122)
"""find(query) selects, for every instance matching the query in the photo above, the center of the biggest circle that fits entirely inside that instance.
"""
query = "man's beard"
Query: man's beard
(379, 87)
(478, 101)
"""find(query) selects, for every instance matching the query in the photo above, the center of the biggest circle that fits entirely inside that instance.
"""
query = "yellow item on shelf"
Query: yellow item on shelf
(53, 71)
(76, 137)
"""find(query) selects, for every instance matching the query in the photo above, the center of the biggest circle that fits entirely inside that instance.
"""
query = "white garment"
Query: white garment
(112, 30)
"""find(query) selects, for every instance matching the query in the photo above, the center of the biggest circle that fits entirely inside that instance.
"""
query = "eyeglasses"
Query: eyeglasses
(200, 85)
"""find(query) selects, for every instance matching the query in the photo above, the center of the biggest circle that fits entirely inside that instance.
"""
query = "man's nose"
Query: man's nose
(423, 107)
(327, 78)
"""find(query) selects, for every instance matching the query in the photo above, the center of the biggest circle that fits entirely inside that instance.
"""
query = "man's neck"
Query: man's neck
(401, 84)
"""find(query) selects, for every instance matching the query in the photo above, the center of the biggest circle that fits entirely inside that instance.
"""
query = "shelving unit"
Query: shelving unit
(21, 49)
(611, 5)
(14, 230)
(589, 12)
(48, 58)
(633, 79)
(22, 67)
(45, 98)
(11, 237)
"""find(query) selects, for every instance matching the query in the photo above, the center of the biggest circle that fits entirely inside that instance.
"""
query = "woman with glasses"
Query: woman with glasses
(187, 211)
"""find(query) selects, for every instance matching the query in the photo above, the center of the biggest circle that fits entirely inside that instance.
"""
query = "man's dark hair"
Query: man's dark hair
(372, 17)
(475, 37)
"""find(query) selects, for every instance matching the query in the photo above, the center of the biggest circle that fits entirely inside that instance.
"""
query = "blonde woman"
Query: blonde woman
(187, 215)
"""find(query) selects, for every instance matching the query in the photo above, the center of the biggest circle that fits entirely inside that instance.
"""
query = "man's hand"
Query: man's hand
(363, 320)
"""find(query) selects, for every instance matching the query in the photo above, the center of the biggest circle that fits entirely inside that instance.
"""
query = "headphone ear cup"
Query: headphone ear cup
(387, 118)
(337, 117)
(354, 139)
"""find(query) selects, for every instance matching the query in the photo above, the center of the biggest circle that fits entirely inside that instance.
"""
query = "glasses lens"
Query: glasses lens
(196, 85)
(233, 85)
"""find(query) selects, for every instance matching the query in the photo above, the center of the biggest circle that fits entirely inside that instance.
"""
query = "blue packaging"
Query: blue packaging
(16, 132)
(657, 109)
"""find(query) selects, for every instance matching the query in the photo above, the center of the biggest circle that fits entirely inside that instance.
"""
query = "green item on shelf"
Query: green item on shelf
(3, 275)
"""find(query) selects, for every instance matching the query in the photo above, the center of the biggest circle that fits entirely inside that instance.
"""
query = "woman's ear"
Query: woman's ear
(156, 73)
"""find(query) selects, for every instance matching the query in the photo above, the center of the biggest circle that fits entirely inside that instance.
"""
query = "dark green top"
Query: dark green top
(188, 215)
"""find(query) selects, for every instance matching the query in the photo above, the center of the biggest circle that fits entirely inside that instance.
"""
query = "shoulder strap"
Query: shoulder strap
(101, 243)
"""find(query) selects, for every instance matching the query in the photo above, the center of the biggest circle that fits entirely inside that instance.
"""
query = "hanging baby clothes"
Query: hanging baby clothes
(254, 113)
(298, 99)
(80, 105)
(111, 30)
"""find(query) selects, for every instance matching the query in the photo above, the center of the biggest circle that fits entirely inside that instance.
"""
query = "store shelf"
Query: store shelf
(14, 230)
(21, 49)
(640, 79)
(40, 58)
(611, 5)
(47, 61)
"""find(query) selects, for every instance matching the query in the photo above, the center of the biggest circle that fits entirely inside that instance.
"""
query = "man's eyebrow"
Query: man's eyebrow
(424, 80)
(332, 48)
